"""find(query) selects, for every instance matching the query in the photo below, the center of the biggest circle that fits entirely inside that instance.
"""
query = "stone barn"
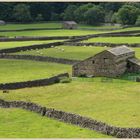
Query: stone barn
(109, 63)
(69, 25)
(2, 22)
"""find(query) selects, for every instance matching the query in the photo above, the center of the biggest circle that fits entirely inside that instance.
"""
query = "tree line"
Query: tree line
(86, 13)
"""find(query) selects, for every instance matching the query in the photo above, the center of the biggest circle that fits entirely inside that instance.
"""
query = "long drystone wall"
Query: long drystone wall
(30, 29)
(31, 47)
(35, 83)
(75, 119)
(33, 38)
(101, 44)
(40, 58)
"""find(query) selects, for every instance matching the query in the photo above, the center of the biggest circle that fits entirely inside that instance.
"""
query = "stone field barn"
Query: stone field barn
(69, 25)
(110, 63)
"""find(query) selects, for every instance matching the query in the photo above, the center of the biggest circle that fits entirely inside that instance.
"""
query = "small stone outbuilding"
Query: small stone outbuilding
(2, 22)
(109, 63)
(69, 25)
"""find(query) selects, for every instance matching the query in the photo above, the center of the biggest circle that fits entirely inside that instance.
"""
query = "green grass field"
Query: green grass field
(71, 52)
(29, 26)
(14, 125)
(114, 101)
(20, 70)
(115, 39)
(61, 32)
(68, 52)
(6, 45)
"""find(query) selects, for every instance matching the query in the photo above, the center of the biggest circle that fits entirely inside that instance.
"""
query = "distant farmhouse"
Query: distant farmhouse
(109, 63)
(2, 22)
(69, 25)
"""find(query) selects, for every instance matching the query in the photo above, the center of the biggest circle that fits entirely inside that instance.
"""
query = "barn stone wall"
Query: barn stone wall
(103, 64)
(75, 119)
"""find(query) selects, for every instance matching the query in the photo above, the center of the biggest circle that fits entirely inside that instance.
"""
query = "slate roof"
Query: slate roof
(120, 50)
(135, 61)
(2, 22)
(70, 22)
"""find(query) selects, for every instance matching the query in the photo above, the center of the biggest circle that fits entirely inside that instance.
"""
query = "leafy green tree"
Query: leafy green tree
(79, 12)
(138, 21)
(114, 18)
(95, 15)
(127, 15)
(69, 12)
(21, 13)
(39, 17)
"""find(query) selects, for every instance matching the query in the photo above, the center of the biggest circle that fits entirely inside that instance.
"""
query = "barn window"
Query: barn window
(106, 60)
(93, 61)
(128, 65)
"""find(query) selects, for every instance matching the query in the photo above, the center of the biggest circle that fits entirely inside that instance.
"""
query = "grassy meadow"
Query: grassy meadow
(114, 40)
(14, 125)
(21, 70)
(111, 100)
(7, 45)
(115, 101)
(68, 52)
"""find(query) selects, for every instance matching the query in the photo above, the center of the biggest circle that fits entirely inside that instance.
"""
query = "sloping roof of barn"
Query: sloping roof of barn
(2, 21)
(120, 50)
(70, 22)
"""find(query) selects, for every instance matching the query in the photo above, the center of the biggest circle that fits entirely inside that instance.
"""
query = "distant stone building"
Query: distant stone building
(2, 22)
(109, 63)
(69, 25)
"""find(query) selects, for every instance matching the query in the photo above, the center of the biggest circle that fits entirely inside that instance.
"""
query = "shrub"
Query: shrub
(65, 80)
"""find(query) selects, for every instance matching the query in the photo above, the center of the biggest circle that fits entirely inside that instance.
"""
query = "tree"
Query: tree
(39, 17)
(127, 15)
(79, 12)
(69, 12)
(138, 21)
(21, 13)
(95, 15)
(114, 18)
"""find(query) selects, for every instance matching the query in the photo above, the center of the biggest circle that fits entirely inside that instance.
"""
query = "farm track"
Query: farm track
(74, 119)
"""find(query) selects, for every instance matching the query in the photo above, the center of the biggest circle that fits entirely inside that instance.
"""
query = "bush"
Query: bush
(65, 80)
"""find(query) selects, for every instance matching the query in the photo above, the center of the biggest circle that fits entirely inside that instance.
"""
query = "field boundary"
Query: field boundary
(30, 29)
(34, 83)
(74, 119)
(30, 47)
(101, 44)
(40, 58)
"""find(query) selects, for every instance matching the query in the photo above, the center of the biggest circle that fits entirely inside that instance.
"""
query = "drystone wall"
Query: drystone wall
(31, 47)
(30, 29)
(35, 83)
(75, 119)
(40, 58)
(101, 44)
